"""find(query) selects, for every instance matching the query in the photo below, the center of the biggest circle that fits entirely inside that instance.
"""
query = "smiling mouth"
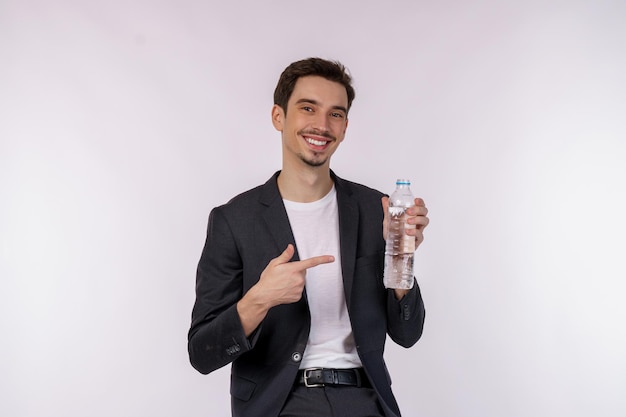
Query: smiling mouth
(316, 142)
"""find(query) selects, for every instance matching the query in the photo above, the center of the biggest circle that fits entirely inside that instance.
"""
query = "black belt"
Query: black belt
(319, 377)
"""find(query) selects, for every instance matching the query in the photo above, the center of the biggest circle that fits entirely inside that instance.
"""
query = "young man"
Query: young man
(289, 285)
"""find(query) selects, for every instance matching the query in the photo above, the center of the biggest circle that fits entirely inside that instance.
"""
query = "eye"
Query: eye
(307, 108)
(337, 115)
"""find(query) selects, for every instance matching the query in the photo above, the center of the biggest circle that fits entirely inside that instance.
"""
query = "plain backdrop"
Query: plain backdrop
(122, 123)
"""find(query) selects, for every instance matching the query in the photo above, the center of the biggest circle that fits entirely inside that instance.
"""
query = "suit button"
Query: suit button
(231, 350)
(296, 356)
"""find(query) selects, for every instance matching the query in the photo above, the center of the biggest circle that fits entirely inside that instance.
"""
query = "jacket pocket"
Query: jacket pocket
(242, 388)
(368, 270)
(374, 259)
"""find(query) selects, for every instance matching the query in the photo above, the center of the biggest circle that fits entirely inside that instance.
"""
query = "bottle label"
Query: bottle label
(408, 242)
(399, 241)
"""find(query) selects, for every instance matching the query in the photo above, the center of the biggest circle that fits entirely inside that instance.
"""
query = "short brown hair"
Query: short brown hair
(330, 70)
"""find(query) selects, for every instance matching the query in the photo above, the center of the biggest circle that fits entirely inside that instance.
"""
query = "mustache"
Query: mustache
(317, 132)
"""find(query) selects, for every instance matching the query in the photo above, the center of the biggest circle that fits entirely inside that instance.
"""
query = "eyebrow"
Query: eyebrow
(316, 103)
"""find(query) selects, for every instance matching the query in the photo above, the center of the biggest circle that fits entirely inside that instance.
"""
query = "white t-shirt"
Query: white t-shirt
(316, 231)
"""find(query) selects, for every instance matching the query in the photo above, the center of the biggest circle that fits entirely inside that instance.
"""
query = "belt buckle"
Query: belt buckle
(305, 375)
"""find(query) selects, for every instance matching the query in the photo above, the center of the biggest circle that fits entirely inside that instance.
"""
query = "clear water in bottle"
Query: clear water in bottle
(400, 247)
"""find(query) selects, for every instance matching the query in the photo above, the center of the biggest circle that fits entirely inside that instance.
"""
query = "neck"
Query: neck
(304, 186)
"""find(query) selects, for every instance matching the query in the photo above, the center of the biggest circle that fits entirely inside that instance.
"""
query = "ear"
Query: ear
(278, 117)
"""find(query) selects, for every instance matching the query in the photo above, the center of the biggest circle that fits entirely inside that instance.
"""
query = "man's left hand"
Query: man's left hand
(417, 216)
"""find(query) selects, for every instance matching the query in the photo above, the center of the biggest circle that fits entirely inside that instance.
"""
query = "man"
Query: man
(289, 285)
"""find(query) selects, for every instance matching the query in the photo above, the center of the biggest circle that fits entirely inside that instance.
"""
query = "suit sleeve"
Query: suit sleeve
(216, 336)
(405, 317)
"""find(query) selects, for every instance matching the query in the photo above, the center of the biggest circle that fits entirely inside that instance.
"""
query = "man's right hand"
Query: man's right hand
(281, 282)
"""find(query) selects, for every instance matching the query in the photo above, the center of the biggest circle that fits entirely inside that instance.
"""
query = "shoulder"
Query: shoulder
(365, 199)
(252, 199)
(355, 189)
(245, 198)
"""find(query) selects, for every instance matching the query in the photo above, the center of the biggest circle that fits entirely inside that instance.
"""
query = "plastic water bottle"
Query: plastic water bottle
(400, 247)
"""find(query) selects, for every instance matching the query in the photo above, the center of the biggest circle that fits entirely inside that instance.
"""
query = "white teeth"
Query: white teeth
(316, 142)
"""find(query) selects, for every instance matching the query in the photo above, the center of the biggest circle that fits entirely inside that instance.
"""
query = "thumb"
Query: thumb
(285, 256)
(385, 203)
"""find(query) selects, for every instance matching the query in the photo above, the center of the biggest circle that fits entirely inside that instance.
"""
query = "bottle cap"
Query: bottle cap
(403, 182)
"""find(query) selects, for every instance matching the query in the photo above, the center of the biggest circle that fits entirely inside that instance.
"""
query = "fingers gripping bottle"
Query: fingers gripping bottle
(400, 247)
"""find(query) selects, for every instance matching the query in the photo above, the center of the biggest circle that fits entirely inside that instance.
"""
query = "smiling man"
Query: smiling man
(289, 285)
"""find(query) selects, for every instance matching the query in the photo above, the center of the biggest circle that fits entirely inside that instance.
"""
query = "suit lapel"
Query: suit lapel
(275, 217)
(348, 232)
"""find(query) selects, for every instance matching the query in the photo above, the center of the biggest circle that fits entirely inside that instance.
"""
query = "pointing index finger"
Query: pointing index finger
(314, 261)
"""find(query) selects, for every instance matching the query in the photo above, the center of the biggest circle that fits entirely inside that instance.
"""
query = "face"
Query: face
(315, 121)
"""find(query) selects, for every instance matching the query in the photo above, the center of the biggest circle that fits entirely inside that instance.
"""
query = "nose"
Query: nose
(322, 122)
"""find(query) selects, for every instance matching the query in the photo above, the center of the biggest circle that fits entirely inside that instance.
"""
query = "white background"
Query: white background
(122, 123)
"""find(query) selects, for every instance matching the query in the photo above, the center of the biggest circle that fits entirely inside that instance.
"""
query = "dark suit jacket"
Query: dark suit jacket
(243, 236)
